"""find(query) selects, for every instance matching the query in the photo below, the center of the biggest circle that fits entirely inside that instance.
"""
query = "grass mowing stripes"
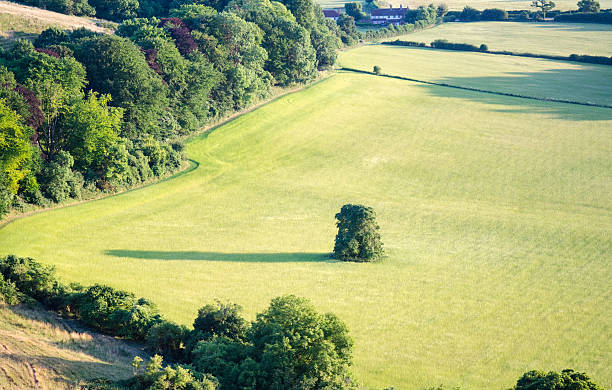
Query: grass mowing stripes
(495, 214)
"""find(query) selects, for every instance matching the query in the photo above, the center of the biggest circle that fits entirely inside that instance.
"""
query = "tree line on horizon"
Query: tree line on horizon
(82, 112)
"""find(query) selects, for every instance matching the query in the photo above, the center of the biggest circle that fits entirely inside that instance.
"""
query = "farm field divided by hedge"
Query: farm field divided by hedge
(495, 213)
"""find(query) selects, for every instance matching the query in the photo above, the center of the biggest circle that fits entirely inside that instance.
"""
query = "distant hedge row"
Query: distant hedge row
(445, 45)
(586, 17)
(479, 89)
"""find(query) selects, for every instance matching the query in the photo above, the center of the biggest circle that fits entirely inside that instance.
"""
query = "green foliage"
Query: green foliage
(543, 5)
(29, 277)
(15, 149)
(58, 180)
(441, 10)
(494, 14)
(9, 294)
(299, 348)
(377, 69)
(424, 16)
(156, 377)
(348, 30)
(358, 238)
(51, 36)
(222, 320)
(114, 311)
(469, 14)
(291, 57)
(116, 10)
(93, 130)
(354, 9)
(566, 380)
(588, 6)
(116, 66)
(167, 339)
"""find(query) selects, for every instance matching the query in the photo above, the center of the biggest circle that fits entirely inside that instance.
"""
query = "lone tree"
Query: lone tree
(544, 5)
(588, 6)
(358, 238)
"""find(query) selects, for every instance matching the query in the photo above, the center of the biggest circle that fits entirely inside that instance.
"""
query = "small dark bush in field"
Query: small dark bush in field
(565, 380)
(484, 47)
(377, 69)
(358, 238)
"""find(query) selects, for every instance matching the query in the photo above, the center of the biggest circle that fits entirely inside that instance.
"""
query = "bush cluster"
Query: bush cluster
(585, 17)
(289, 345)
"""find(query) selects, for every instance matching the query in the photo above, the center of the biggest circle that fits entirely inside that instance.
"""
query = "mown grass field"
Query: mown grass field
(520, 75)
(540, 38)
(495, 212)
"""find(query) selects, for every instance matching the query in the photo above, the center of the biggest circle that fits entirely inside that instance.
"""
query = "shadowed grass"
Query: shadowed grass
(217, 256)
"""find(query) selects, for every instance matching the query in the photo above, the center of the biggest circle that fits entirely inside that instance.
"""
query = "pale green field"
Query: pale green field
(456, 5)
(496, 214)
(520, 75)
(540, 38)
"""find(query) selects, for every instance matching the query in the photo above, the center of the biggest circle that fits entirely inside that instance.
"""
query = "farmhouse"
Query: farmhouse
(389, 15)
(331, 14)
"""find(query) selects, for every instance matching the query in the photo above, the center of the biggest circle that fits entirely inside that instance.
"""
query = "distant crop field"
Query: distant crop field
(495, 213)
(541, 38)
(479, 4)
(525, 76)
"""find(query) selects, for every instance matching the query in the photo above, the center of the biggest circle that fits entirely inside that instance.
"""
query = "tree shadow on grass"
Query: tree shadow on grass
(533, 84)
(219, 256)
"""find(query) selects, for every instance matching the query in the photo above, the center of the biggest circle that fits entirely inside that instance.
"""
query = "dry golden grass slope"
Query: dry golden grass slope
(39, 350)
(20, 21)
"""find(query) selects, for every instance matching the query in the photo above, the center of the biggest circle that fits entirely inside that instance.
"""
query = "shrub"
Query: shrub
(51, 36)
(8, 292)
(585, 17)
(155, 376)
(469, 14)
(377, 69)
(167, 339)
(484, 48)
(494, 14)
(358, 238)
(566, 380)
(220, 319)
(30, 277)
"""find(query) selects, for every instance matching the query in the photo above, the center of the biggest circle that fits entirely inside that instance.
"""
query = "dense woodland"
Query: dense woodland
(86, 112)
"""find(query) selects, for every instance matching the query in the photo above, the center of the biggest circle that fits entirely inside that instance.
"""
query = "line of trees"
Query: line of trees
(82, 112)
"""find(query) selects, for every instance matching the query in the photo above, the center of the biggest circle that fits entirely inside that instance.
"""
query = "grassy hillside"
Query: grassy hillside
(39, 350)
(542, 38)
(495, 213)
(22, 22)
(519, 75)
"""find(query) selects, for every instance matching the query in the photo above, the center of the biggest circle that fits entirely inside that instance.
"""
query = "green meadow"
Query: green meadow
(495, 212)
(541, 38)
(519, 75)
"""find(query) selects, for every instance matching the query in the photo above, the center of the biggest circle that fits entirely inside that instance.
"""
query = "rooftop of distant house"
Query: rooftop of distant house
(331, 13)
(401, 11)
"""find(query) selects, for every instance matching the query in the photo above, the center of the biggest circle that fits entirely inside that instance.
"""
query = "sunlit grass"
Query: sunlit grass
(495, 214)
(540, 38)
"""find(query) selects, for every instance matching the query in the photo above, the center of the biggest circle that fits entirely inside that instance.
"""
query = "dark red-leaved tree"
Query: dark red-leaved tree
(36, 118)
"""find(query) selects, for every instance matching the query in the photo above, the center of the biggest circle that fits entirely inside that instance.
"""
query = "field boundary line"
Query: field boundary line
(553, 57)
(554, 100)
